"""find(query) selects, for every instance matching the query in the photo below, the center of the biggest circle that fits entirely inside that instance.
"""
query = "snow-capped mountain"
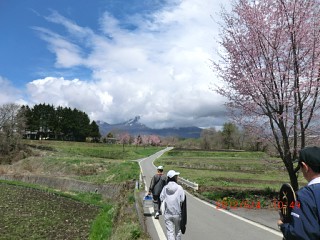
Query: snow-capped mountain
(134, 127)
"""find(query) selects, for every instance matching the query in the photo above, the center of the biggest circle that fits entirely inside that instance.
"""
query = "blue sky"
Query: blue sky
(114, 59)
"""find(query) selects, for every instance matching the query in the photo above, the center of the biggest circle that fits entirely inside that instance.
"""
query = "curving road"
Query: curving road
(204, 220)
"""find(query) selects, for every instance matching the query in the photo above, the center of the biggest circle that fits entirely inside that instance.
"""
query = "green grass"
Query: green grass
(92, 162)
(103, 224)
(215, 154)
(224, 174)
(95, 150)
(115, 173)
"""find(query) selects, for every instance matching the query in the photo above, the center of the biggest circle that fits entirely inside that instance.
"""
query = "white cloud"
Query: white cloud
(85, 96)
(67, 53)
(159, 70)
(8, 93)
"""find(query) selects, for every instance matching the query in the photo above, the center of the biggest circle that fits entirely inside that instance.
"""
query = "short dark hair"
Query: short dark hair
(173, 179)
(316, 169)
(311, 156)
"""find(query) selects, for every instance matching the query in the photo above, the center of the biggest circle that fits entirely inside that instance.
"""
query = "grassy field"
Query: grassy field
(229, 174)
(41, 212)
(93, 162)
(222, 176)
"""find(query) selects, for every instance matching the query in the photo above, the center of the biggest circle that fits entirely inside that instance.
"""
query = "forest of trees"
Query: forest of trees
(44, 121)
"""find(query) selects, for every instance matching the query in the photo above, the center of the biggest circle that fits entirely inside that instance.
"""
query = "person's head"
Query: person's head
(160, 169)
(172, 176)
(309, 162)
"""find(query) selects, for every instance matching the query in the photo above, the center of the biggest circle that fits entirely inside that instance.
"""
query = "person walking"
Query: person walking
(158, 181)
(173, 197)
(305, 216)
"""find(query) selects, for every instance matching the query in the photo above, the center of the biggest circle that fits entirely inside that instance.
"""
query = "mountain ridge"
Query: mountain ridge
(134, 127)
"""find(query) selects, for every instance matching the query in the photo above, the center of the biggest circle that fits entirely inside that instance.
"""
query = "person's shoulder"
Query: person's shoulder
(309, 188)
(303, 191)
(308, 192)
(315, 187)
(312, 190)
(180, 187)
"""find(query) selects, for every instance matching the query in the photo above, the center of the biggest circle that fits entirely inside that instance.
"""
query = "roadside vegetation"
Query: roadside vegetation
(92, 162)
(42, 211)
(230, 175)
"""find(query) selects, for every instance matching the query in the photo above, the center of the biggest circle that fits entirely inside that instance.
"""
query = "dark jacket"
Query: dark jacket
(158, 181)
(305, 223)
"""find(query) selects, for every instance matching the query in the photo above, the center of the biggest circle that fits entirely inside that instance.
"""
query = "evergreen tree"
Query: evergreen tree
(94, 131)
(59, 123)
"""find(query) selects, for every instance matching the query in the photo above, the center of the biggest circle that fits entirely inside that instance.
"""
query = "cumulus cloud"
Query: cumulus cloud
(158, 69)
(8, 93)
(86, 96)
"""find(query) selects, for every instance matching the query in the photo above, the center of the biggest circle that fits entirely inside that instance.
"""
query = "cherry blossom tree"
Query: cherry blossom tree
(137, 141)
(145, 140)
(124, 138)
(270, 66)
(154, 140)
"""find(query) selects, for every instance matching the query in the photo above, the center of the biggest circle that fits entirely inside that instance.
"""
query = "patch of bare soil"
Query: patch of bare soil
(28, 213)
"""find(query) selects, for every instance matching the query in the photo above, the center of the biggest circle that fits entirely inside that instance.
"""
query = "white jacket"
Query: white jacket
(172, 195)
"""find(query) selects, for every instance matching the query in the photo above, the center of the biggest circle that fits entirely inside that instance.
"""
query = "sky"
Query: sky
(114, 59)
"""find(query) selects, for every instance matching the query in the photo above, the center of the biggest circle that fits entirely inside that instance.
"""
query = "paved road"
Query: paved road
(204, 220)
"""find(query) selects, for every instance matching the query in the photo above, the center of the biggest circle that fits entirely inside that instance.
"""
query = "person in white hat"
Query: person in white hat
(158, 181)
(172, 196)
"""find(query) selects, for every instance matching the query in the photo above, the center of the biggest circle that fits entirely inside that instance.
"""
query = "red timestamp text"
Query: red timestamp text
(227, 205)
(281, 204)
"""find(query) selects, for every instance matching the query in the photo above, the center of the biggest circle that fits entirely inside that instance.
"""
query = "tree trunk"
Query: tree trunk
(294, 180)
(293, 177)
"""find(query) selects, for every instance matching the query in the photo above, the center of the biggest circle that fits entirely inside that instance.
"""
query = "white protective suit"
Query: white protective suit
(172, 195)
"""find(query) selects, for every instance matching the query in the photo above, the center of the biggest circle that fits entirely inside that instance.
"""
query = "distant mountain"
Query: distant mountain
(134, 127)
